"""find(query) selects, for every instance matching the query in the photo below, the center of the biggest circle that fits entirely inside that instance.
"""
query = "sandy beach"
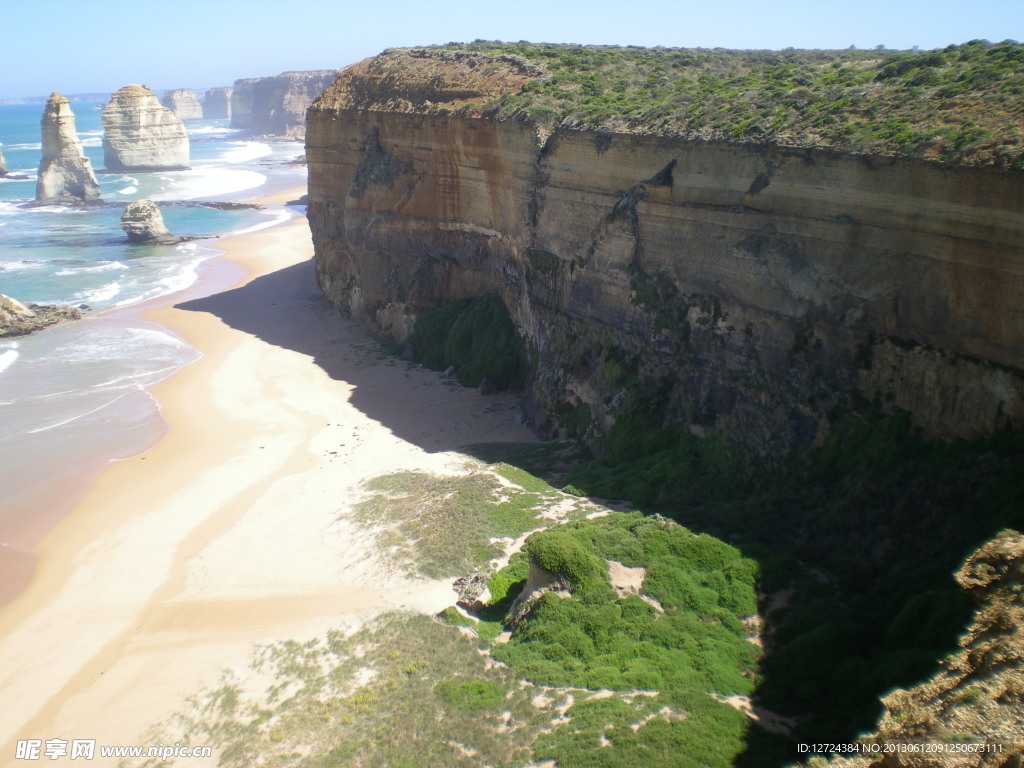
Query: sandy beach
(230, 532)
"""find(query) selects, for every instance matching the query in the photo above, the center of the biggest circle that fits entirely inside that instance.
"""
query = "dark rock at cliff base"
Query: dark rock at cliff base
(17, 319)
(144, 225)
(65, 173)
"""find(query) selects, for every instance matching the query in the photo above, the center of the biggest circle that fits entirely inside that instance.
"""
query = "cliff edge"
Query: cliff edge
(749, 286)
(973, 704)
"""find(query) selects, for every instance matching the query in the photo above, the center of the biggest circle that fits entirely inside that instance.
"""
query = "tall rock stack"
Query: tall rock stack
(217, 103)
(139, 134)
(3, 165)
(65, 173)
(183, 103)
(276, 106)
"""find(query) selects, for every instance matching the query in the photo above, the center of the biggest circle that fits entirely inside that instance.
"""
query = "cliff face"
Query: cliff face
(217, 103)
(65, 173)
(139, 134)
(276, 106)
(183, 103)
(977, 694)
(755, 287)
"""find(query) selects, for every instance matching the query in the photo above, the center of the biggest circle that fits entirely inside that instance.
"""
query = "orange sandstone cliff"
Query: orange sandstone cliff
(758, 287)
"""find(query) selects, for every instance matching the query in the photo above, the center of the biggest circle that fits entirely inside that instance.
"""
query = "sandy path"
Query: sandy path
(227, 533)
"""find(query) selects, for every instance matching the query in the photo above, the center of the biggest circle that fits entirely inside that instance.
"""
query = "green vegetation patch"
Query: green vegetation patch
(443, 526)
(694, 641)
(405, 691)
(474, 336)
(962, 104)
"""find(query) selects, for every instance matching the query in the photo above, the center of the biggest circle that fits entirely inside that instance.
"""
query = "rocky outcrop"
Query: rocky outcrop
(538, 581)
(3, 165)
(144, 225)
(977, 696)
(65, 173)
(17, 319)
(276, 106)
(139, 134)
(217, 103)
(472, 592)
(751, 290)
(183, 103)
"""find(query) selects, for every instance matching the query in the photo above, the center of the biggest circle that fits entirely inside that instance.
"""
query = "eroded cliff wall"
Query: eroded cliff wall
(756, 288)
(276, 106)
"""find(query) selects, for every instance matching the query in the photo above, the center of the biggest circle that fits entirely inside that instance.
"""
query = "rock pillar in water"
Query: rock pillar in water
(3, 165)
(65, 173)
(139, 134)
(183, 103)
(217, 103)
(143, 224)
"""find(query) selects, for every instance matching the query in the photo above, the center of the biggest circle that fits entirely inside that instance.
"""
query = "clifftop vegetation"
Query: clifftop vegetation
(963, 104)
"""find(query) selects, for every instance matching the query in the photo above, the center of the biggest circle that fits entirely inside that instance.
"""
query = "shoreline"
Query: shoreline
(31, 517)
(231, 530)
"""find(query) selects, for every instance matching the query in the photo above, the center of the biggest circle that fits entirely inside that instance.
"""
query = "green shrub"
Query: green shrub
(476, 337)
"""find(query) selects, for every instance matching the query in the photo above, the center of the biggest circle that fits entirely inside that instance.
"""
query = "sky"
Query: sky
(99, 46)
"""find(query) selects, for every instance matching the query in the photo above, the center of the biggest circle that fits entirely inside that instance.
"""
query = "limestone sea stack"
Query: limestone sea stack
(3, 165)
(183, 103)
(144, 224)
(17, 319)
(139, 134)
(217, 103)
(65, 173)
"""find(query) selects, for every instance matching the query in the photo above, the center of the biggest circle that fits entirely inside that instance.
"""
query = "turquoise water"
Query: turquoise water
(75, 397)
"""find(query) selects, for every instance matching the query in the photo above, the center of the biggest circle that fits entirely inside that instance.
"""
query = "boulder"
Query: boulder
(140, 134)
(144, 225)
(217, 103)
(183, 103)
(17, 319)
(472, 591)
(65, 173)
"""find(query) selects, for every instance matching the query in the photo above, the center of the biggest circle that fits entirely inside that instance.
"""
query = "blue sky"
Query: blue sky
(102, 45)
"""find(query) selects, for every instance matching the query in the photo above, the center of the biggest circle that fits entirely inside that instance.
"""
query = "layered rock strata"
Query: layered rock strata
(183, 103)
(217, 103)
(65, 173)
(276, 106)
(144, 224)
(139, 134)
(17, 319)
(752, 289)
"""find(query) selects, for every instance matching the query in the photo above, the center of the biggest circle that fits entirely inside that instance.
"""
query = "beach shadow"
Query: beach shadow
(287, 309)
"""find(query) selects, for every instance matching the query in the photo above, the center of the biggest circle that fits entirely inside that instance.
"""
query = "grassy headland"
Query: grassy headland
(963, 104)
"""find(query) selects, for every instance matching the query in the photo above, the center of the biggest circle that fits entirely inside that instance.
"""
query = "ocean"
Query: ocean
(75, 397)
